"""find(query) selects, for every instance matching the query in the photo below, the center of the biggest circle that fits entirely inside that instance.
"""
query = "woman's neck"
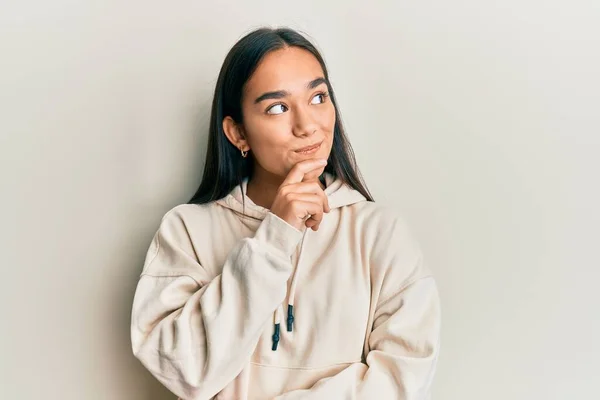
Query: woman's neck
(262, 192)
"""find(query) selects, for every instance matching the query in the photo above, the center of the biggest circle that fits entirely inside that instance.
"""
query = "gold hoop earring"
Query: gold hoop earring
(244, 153)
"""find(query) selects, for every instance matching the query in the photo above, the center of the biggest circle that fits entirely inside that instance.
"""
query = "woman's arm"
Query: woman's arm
(195, 332)
(403, 345)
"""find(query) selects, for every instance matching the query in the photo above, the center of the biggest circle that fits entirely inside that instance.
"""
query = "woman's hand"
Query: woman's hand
(300, 199)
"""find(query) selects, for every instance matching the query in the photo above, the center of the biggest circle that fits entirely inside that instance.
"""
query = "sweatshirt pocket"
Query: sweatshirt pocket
(269, 381)
(236, 389)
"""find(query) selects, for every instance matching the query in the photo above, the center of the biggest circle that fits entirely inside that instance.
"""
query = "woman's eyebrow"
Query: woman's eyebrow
(279, 94)
(316, 82)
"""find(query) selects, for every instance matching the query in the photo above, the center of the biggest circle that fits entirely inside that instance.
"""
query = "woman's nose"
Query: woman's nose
(304, 122)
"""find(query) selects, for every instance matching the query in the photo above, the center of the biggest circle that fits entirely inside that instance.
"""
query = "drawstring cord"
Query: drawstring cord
(290, 318)
(279, 311)
(277, 328)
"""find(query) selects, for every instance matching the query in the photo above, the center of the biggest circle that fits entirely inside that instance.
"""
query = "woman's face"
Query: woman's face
(288, 115)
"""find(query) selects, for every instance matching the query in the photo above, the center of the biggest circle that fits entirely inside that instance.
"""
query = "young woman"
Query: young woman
(281, 278)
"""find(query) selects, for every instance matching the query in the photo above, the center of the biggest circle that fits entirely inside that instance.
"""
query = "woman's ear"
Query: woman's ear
(235, 134)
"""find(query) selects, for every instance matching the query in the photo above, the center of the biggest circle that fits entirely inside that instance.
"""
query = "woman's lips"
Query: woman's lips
(309, 149)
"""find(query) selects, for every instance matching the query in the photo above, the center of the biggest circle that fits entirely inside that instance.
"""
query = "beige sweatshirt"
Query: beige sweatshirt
(235, 303)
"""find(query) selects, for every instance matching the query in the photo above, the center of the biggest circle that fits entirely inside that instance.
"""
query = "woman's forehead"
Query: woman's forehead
(287, 69)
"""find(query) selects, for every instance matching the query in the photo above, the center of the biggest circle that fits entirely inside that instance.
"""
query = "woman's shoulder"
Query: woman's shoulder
(189, 212)
(393, 248)
(382, 225)
(379, 216)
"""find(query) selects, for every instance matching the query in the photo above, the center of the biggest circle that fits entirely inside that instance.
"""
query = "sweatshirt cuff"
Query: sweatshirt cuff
(278, 233)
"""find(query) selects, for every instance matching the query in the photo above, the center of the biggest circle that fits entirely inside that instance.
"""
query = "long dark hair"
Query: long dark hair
(225, 168)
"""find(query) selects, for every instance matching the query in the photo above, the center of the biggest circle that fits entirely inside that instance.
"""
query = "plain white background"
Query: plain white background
(478, 120)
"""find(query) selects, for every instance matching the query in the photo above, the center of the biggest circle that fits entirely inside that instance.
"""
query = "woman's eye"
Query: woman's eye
(320, 98)
(277, 109)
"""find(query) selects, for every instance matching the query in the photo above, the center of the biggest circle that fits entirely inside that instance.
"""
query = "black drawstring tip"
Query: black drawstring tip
(275, 338)
(290, 318)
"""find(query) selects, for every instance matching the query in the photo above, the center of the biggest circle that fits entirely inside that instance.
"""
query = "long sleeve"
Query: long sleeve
(403, 345)
(195, 332)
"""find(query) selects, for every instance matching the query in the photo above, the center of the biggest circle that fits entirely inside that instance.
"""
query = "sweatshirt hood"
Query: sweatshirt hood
(339, 195)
